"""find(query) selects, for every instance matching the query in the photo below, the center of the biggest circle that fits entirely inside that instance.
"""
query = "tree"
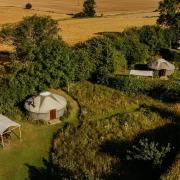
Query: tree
(89, 8)
(28, 6)
(54, 64)
(27, 35)
(154, 37)
(169, 11)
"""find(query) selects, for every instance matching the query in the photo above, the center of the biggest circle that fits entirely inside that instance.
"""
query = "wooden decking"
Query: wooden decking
(54, 121)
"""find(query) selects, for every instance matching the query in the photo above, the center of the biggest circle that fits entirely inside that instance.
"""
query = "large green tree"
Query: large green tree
(27, 35)
(169, 13)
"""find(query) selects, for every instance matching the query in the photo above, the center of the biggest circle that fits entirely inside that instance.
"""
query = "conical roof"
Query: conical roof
(161, 64)
(45, 102)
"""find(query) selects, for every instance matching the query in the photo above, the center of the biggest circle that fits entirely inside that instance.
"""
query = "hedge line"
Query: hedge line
(168, 91)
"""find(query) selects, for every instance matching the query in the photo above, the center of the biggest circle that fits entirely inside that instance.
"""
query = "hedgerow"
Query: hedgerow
(165, 90)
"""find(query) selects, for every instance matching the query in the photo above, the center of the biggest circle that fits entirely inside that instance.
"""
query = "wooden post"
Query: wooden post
(20, 133)
(2, 141)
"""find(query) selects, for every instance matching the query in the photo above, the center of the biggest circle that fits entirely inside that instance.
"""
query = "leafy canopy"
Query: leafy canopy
(89, 8)
(169, 11)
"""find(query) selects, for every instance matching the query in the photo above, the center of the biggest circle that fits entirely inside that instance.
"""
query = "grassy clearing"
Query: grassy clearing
(98, 102)
(118, 122)
(36, 143)
(34, 147)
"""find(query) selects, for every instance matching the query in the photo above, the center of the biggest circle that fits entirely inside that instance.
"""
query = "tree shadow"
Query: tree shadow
(48, 172)
(164, 113)
(136, 169)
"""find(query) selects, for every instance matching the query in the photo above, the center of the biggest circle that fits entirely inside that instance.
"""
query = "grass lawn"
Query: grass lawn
(35, 145)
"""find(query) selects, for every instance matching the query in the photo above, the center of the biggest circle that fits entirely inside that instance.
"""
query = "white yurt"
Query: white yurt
(162, 64)
(46, 106)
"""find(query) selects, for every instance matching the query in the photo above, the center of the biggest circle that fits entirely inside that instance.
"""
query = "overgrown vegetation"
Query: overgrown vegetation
(100, 146)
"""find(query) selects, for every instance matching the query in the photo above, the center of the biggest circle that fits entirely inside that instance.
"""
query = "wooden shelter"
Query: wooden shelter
(7, 127)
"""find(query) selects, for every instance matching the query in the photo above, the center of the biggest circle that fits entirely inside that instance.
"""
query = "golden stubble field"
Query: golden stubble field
(118, 15)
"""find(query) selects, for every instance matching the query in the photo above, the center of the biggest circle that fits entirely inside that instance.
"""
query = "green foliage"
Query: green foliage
(169, 13)
(89, 8)
(165, 90)
(149, 151)
(154, 37)
(97, 101)
(85, 67)
(54, 65)
(129, 44)
(30, 33)
(103, 57)
(28, 6)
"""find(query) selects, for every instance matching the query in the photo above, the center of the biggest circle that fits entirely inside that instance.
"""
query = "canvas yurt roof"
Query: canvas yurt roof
(6, 123)
(45, 102)
(161, 64)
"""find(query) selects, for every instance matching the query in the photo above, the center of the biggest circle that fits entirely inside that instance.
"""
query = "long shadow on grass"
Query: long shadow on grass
(48, 172)
(134, 169)
(164, 113)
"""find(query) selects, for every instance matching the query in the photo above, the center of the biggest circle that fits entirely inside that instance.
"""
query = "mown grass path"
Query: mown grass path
(35, 146)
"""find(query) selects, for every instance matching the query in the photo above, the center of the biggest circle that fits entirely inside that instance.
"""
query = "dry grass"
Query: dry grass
(77, 30)
(15, 14)
(118, 15)
(71, 6)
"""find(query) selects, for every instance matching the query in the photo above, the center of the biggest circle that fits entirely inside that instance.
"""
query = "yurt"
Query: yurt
(46, 106)
(164, 67)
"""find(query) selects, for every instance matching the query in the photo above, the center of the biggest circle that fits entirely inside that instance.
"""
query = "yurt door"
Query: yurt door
(53, 114)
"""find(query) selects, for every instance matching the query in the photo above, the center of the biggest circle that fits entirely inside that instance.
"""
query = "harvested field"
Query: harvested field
(118, 15)
(70, 6)
(77, 30)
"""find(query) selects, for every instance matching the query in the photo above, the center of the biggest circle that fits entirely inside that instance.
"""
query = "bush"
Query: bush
(103, 57)
(28, 6)
(79, 15)
(149, 151)
(128, 43)
(168, 91)
(154, 37)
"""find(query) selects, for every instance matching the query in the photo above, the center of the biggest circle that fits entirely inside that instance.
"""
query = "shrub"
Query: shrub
(103, 57)
(149, 151)
(129, 44)
(168, 91)
(79, 15)
(154, 37)
(28, 6)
